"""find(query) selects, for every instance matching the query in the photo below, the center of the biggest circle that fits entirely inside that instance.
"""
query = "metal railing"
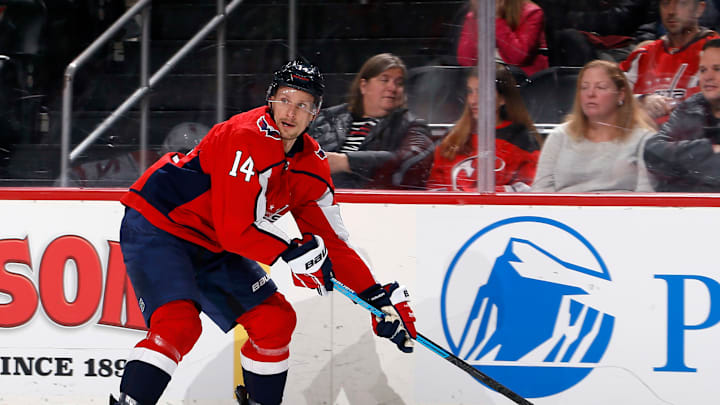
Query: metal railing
(485, 66)
(146, 83)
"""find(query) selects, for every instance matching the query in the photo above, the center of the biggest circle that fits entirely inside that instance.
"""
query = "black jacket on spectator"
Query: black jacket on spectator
(397, 153)
(680, 156)
(604, 17)
(608, 20)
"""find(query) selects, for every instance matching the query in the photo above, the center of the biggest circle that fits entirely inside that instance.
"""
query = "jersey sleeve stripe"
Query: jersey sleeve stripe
(261, 224)
(282, 162)
(331, 212)
(315, 176)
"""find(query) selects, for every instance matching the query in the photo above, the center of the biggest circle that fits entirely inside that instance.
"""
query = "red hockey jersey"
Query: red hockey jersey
(672, 72)
(227, 192)
(516, 156)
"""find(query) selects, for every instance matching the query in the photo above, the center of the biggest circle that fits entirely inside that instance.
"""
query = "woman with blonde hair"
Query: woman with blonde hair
(517, 143)
(599, 147)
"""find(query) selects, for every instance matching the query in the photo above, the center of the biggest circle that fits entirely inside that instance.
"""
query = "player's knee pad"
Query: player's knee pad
(174, 329)
(270, 324)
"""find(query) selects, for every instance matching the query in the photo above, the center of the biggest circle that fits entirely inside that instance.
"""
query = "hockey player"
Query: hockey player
(196, 225)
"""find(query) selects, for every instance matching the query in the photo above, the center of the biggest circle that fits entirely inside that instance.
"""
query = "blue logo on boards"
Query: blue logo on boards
(521, 302)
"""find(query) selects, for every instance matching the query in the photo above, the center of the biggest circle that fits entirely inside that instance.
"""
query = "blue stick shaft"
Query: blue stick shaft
(477, 374)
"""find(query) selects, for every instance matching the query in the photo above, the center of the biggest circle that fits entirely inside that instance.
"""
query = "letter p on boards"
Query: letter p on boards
(676, 322)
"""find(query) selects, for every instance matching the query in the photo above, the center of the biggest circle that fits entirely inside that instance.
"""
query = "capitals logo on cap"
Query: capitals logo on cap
(268, 129)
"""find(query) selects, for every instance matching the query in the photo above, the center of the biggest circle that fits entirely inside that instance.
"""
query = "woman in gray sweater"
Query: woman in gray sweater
(599, 148)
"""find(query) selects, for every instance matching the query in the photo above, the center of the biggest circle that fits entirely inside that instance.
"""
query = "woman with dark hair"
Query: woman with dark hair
(373, 141)
(517, 143)
(600, 146)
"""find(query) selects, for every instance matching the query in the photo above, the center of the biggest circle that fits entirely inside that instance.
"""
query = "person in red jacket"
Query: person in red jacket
(519, 35)
(517, 143)
(196, 225)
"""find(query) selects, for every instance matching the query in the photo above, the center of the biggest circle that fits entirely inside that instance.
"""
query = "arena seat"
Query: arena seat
(549, 94)
(436, 93)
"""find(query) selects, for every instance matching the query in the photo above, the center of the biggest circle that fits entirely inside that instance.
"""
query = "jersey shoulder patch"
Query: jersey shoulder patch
(267, 129)
(312, 158)
(312, 145)
(320, 153)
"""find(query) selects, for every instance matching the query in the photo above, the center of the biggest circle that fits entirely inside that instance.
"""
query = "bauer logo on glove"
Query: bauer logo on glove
(318, 259)
(309, 263)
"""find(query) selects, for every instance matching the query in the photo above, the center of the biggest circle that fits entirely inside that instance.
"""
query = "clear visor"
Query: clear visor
(283, 103)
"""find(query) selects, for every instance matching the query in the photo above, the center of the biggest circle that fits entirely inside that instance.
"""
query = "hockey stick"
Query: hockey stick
(477, 374)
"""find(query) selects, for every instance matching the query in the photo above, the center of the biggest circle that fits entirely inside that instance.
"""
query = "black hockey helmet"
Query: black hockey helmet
(301, 75)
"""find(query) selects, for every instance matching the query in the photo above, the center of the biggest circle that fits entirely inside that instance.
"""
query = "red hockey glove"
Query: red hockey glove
(310, 264)
(398, 325)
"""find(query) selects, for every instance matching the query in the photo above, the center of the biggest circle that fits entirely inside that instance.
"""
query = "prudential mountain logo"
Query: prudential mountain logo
(523, 302)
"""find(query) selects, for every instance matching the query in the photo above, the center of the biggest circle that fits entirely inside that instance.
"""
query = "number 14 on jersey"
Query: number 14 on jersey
(247, 166)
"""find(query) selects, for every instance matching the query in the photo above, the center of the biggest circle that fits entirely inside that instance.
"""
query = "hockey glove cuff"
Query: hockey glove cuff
(310, 264)
(398, 325)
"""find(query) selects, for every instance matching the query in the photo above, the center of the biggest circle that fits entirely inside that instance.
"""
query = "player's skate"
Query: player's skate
(243, 397)
(123, 400)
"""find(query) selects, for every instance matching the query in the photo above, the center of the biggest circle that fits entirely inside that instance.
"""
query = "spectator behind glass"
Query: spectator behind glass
(685, 154)
(664, 72)
(599, 147)
(579, 31)
(519, 35)
(653, 30)
(123, 170)
(517, 143)
(374, 141)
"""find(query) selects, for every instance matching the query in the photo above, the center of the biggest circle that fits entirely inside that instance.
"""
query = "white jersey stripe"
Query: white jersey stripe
(261, 207)
(332, 215)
